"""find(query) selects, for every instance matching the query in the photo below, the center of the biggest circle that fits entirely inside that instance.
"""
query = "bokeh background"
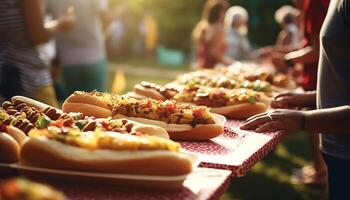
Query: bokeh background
(270, 178)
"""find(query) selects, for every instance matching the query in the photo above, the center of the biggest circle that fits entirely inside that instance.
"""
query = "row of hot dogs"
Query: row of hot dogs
(73, 141)
(233, 92)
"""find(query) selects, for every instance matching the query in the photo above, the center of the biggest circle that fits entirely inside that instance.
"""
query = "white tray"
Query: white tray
(164, 182)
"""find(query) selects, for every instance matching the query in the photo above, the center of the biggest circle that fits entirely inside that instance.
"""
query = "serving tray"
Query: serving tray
(149, 181)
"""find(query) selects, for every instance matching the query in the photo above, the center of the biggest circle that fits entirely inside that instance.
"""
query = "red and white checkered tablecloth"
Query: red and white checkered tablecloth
(235, 150)
(204, 184)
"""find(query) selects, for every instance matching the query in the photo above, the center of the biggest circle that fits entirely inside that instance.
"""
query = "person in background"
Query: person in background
(236, 25)
(81, 53)
(22, 29)
(114, 37)
(150, 27)
(314, 12)
(332, 97)
(210, 37)
(289, 38)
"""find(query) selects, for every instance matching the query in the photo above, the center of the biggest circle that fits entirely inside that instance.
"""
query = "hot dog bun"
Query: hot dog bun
(148, 92)
(42, 152)
(9, 149)
(16, 134)
(87, 104)
(92, 105)
(240, 111)
(182, 132)
(151, 130)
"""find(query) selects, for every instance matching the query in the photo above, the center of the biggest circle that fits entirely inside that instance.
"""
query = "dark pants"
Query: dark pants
(85, 77)
(338, 177)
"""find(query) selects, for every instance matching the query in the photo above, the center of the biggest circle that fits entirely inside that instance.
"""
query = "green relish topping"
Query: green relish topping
(42, 122)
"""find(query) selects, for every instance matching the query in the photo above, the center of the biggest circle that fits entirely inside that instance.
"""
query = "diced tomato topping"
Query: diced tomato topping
(147, 105)
(57, 123)
(198, 112)
(170, 108)
(105, 125)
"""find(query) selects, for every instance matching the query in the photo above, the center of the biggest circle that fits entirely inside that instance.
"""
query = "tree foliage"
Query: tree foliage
(177, 18)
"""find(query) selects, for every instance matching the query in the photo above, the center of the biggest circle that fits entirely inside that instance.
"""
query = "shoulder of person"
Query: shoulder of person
(292, 28)
(218, 27)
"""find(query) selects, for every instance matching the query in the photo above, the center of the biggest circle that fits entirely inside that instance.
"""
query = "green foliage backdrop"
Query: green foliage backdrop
(177, 18)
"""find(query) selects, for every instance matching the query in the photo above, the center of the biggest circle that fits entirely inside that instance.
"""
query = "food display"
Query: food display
(181, 121)
(23, 189)
(232, 103)
(236, 92)
(52, 139)
(129, 138)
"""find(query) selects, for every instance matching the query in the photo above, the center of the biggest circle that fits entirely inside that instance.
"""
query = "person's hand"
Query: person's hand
(56, 73)
(68, 20)
(265, 51)
(291, 100)
(287, 120)
(278, 61)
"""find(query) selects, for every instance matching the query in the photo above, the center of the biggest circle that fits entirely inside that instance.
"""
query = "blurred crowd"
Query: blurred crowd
(48, 48)
(66, 43)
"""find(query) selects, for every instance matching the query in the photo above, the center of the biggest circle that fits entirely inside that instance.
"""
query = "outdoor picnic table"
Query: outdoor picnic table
(235, 150)
(202, 184)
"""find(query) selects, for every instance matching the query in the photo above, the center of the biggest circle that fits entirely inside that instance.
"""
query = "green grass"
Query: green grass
(132, 80)
(149, 62)
(268, 179)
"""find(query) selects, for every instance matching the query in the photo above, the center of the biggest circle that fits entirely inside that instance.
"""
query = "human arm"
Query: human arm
(295, 100)
(38, 31)
(326, 121)
(306, 55)
(108, 15)
(287, 41)
(216, 52)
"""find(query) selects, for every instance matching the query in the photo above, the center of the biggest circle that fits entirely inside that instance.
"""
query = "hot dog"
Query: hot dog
(9, 149)
(103, 152)
(182, 122)
(11, 139)
(232, 103)
(155, 91)
(30, 102)
(238, 77)
(25, 117)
